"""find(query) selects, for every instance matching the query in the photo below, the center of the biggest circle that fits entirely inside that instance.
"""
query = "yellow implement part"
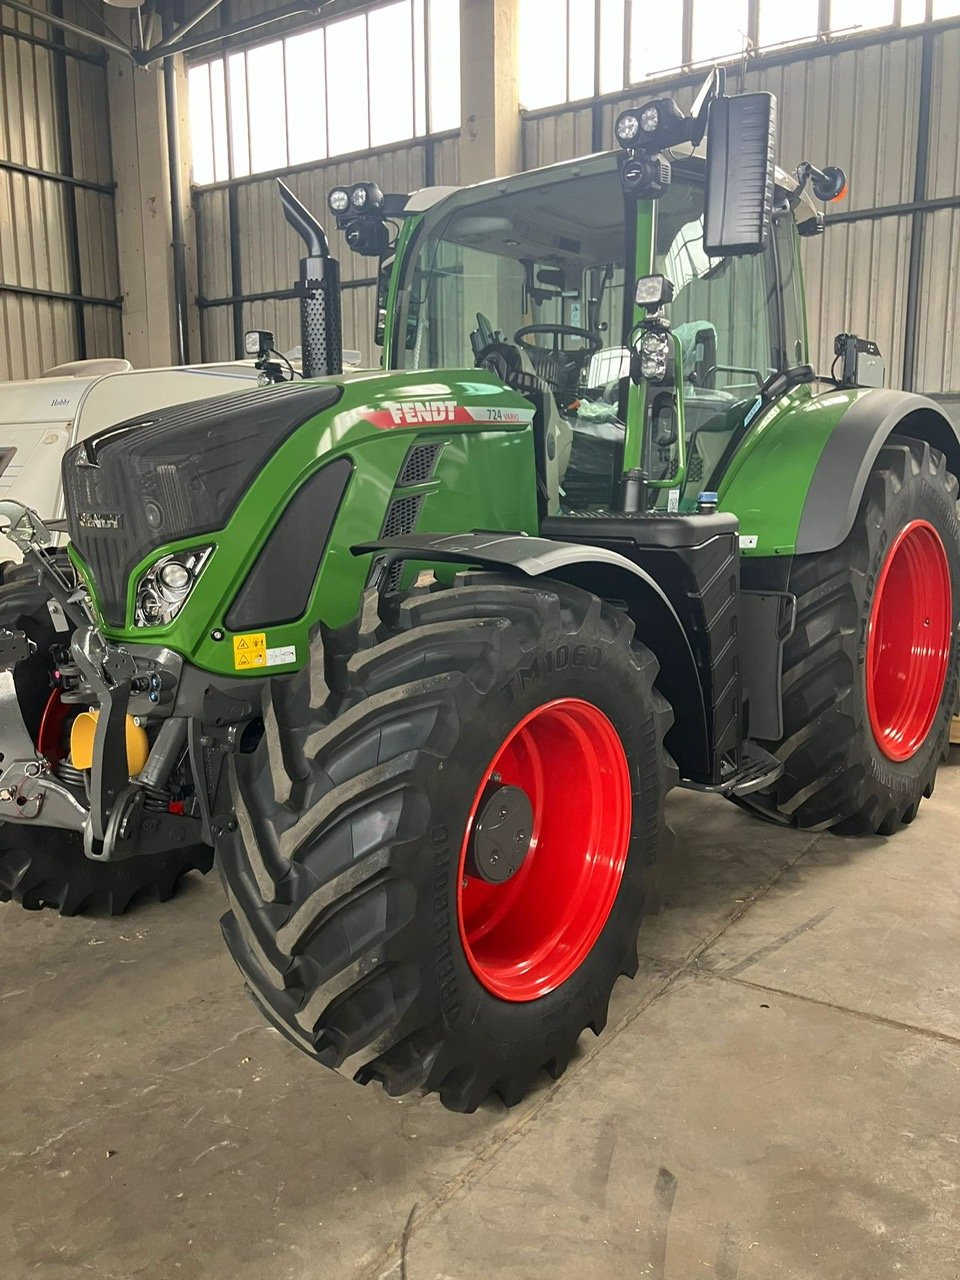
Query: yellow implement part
(84, 731)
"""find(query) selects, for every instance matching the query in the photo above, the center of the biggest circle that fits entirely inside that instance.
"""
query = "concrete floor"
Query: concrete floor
(776, 1095)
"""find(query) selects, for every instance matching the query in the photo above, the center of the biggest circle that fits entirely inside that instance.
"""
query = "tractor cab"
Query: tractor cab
(534, 278)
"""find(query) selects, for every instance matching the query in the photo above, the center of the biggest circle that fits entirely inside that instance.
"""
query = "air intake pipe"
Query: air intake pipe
(321, 317)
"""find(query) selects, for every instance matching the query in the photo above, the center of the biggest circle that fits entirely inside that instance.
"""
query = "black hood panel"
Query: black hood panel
(177, 473)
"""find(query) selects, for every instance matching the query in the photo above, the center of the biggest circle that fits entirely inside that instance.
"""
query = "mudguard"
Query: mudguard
(841, 474)
(797, 480)
(596, 569)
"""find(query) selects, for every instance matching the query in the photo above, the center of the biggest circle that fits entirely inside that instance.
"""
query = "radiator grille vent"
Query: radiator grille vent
(402, 515)
(419, 464)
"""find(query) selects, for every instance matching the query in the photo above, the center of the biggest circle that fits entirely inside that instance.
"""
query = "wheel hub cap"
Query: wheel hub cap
(500, 840)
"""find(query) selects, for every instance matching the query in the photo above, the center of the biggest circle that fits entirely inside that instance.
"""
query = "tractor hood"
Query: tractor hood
(249, 480)
(174, 474)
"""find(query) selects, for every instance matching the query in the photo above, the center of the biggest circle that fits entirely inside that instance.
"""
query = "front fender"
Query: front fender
(605, 573)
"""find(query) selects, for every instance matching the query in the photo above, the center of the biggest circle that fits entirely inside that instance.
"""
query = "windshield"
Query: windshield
(548, 256)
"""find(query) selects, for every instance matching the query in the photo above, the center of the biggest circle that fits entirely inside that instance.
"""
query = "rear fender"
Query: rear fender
(798, 477)
(841, 474)
(606, 574)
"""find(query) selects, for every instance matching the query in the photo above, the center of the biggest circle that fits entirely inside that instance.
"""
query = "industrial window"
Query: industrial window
(385, 75)
(787, 23)
(720, 29)
(656, 47)
(846, 15)
(571, 50)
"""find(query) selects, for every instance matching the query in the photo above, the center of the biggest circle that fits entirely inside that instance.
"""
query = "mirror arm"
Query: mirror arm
(713, 87)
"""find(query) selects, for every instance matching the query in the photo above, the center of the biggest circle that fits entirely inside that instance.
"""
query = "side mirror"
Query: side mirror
(862, 364)
(829, 185)
(740, 175)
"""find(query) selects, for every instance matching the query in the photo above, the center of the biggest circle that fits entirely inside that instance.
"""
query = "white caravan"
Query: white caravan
(41, 419)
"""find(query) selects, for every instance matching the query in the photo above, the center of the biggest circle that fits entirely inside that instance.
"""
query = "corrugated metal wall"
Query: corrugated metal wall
(57, 238)
(859, 108)
(268, 251)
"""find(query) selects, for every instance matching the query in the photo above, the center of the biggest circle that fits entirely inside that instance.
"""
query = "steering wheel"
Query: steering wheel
(593, 343)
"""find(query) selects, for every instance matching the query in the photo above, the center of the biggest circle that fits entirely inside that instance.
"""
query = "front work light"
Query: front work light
(339, 200)
(654, 127)
(366, 197)
(165, 587)
(627, 128)
(653, 291)
(257, 342)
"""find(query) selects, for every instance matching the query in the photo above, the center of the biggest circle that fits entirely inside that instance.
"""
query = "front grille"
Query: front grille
(178, 474)
(419, 464)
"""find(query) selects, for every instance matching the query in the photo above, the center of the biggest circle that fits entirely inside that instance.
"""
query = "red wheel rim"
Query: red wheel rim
(525, 937)
(908, 640)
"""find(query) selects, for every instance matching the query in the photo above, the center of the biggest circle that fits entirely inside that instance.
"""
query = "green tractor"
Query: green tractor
(421, 651)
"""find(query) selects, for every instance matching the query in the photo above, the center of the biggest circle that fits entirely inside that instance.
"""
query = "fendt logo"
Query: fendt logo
(100, 519)
(421, 411)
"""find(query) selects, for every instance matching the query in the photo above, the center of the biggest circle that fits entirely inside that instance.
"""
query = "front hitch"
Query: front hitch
(128, 816)
(125, 816)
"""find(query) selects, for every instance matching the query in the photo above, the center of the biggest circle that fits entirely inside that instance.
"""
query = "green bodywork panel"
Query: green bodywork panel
(485, 477)
(767, 482)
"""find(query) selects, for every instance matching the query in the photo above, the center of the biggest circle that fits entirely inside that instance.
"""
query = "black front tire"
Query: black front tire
(836, 775)
(46, 867)
(342, 867)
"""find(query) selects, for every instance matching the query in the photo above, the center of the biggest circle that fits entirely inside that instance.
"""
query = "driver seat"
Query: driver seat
(554, 433)
(557, 437)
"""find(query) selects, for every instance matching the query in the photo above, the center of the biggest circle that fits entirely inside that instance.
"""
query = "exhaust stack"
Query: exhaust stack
(318, 288)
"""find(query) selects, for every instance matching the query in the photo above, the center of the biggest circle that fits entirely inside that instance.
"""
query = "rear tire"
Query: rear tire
(346, 862)
(860, 752)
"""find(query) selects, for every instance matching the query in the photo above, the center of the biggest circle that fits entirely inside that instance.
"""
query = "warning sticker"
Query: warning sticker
(250, 651)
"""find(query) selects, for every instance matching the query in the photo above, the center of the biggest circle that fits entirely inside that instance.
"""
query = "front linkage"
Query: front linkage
(95, 765)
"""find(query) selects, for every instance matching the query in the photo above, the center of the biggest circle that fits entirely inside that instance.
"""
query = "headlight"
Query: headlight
(164, 588)
(654, 355)
(627, 127)
(339, 200)
(359, 197)
(650, 119)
